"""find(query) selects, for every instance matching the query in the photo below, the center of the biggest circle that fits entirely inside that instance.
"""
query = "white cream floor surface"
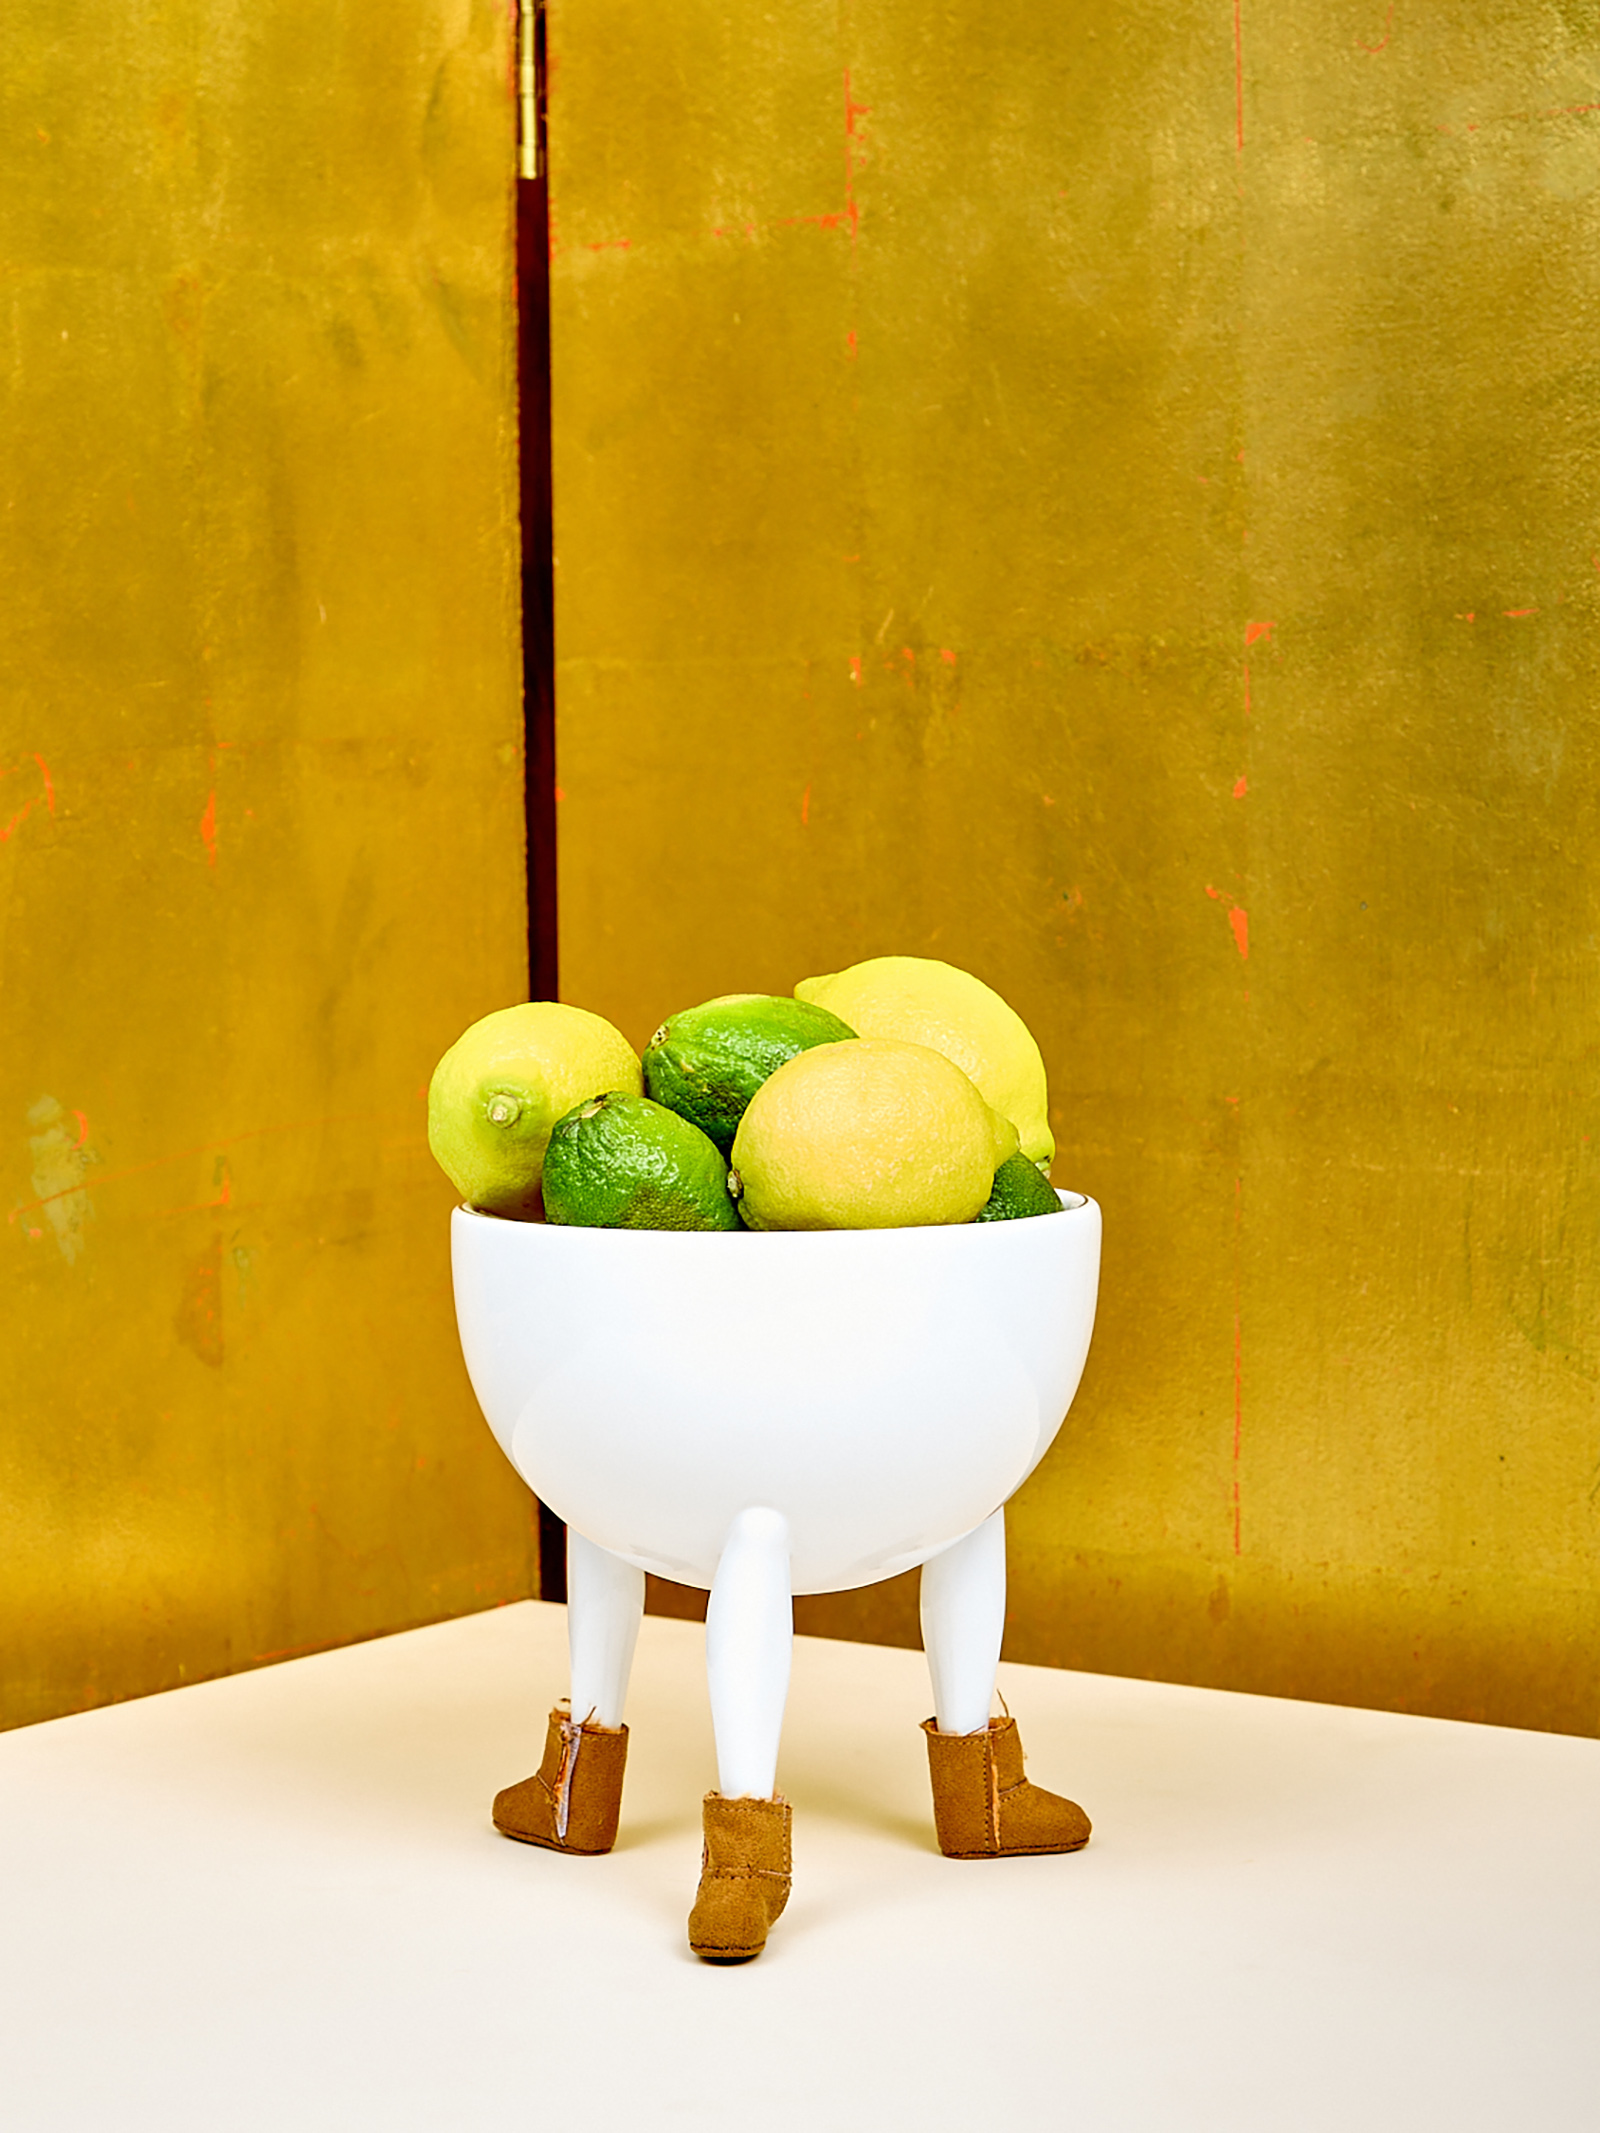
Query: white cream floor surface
(275, 1903)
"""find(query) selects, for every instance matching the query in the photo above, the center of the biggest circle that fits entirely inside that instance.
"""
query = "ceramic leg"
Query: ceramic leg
(605, 1600)
(963, 1619)
(749, 1644)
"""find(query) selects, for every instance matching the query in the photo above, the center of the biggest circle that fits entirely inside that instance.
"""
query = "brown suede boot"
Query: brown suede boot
(744, 1877)
(572, 1801)
(983, 1806)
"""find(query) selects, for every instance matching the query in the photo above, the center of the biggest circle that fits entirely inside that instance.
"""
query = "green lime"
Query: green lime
(708, 1062)
(1020, 1189)
(622, 1162)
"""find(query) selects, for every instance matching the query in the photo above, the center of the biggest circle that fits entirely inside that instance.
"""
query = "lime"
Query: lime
(707, 1062)
(926, 1002)
(501, 1087)
(873, 1134)
(1020, 1189)
(620, 1161)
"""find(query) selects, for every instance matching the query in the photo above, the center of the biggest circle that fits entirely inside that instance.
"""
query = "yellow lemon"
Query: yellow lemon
(501, 1087)
(867, 1135)
(927, 1002)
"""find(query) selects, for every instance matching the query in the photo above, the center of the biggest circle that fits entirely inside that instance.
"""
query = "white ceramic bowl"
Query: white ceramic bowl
(884, 1389)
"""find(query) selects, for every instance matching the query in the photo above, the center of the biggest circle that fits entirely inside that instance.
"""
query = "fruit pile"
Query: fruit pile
(898, 1093)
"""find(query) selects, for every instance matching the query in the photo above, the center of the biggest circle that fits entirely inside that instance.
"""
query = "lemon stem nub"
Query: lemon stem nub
(504, 1111)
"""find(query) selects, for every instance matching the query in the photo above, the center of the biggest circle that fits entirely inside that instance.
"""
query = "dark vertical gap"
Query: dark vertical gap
(552, 1555)
(538, 632)
(538, 588)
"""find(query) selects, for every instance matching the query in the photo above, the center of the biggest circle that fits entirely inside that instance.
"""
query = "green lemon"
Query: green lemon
(1020, 1189)
(501, 1087)
(621, 1161)
(707, 1062)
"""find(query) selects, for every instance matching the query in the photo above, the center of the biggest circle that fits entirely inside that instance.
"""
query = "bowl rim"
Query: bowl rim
(1072, 1203)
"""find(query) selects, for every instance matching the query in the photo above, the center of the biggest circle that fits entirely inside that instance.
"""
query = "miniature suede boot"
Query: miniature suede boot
(983, 1806)
(744, 1877)
(572, 1801)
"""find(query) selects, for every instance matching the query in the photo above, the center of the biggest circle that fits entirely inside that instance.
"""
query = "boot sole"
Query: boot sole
(553, 1844)
(1022, 1851)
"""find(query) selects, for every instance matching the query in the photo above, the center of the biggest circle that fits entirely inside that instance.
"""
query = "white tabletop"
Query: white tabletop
(275, 1903)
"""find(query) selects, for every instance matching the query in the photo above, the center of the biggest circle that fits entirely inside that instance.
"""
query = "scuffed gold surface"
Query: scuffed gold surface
(1111, 502)
(260, 796)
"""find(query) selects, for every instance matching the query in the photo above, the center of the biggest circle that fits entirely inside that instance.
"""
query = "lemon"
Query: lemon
(933, 1003)
(873, 1134)
(619, 1161)
(707, 1062)
(501, 1087)
(1019, 1191)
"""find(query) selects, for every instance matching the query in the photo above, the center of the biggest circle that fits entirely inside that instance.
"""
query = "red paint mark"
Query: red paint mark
(290, 1651)
(1252, 632)
(1515, 614)
(1467, 618)
(1238, 1363)
(180, 1155)
(560, 795)
(852, 112)
(907, 653)
(28, 806)
(850, 344)
(208, 828)
(855, 670)
(805, 807)
(201, 1207)
(1388, 31)
(852, 559)
(1045, 797)
(611, 244)
(1238, 919)
(835, 221)
(1238, 79)
(947, 656)
(83, 1128)
(1241, 786)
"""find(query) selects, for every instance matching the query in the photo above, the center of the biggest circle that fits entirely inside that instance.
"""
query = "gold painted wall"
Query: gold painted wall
(260, 823)
(1109, 497)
